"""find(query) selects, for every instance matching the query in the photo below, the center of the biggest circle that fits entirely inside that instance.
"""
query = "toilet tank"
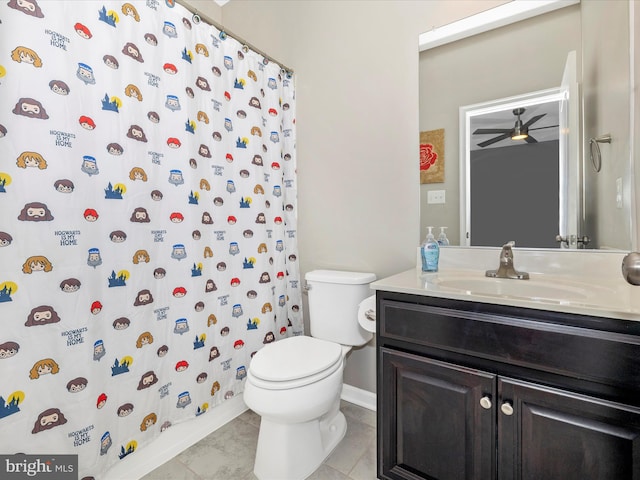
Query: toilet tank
(333, 305)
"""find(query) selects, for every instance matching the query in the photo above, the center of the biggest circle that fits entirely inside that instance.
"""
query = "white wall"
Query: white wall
(205, 8)
(606, 87)
(636, 135)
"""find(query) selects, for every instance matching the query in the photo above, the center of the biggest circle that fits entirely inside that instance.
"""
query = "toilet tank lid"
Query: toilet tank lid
(338, 276)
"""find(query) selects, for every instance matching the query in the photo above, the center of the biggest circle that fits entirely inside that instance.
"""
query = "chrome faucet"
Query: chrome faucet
(506, 269)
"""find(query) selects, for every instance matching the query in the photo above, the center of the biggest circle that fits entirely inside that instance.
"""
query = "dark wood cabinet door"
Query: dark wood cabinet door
(553, 434)
(436, 420)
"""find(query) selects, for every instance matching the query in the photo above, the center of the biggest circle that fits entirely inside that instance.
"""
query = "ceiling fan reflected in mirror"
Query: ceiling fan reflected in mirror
(520, 131)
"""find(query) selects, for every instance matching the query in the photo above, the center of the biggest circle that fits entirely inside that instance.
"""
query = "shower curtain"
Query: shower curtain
(147, 223)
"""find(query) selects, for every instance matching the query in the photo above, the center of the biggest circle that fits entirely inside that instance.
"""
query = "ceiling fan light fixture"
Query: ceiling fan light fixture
(520, 132)
(519, 135)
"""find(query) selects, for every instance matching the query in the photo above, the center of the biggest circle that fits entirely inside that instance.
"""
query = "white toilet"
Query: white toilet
(295, 384)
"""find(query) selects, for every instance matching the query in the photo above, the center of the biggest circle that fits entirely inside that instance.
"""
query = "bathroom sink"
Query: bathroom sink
(539, 288)
(531, 289)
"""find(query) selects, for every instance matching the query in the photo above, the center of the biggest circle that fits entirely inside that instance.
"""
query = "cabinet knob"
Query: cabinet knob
(507, 408)
(485, 402)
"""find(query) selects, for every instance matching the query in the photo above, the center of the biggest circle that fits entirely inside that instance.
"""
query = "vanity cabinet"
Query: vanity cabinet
(471, 390)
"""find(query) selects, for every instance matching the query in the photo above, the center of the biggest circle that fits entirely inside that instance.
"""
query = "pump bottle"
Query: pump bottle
(430, 253)
(443, 241)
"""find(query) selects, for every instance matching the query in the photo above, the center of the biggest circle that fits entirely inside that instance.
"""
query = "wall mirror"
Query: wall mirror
(471, 83)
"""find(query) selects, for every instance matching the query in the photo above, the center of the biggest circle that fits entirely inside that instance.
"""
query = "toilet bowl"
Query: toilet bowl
(301, 419)
(295, 384)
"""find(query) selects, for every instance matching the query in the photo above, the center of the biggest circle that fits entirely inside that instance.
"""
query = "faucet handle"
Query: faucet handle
(509, 244)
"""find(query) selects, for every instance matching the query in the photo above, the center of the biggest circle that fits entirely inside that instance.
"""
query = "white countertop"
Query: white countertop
(573, 282)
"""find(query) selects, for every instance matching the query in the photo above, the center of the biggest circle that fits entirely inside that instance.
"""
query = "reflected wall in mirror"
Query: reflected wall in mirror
(607, 107)
(530, 56)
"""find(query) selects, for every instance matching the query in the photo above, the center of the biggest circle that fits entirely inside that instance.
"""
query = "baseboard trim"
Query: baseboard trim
(175, 440)
(358, 396)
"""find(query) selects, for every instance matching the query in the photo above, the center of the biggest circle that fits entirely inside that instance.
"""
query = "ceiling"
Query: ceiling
(506, 119)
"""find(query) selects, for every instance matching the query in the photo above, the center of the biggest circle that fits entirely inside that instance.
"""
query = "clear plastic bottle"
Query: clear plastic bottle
(443, 241)
(430, 253)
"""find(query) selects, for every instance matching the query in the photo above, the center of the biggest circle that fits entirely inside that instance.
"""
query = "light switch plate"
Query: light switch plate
(436, 196)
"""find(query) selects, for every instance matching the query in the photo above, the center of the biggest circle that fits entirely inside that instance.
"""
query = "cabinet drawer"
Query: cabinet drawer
(587, 354)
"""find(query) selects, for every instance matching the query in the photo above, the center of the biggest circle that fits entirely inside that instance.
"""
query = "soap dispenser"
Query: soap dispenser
(443, 241)
(430, 252)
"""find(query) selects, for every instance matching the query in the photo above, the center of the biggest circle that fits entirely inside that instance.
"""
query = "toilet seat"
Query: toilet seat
(294, 362)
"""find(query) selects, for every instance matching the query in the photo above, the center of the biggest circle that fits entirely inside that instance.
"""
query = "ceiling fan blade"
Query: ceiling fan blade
(481, 131)
(533, 120)
(541, 128)
(530, 139)
(493, 140)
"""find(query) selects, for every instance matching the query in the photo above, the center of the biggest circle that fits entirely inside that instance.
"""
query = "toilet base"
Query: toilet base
(289, 451)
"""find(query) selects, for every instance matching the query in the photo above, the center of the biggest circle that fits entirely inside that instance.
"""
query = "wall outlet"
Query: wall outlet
(435, 196)
(619, 192)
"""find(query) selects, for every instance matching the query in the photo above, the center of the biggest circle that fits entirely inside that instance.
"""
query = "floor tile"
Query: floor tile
(251, 417)
(327, 473)
(172, 470)
(229, 452)
(358, 439)
(365, 468)
(360, 414)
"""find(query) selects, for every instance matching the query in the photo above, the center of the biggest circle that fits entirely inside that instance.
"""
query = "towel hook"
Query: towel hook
(594, 150)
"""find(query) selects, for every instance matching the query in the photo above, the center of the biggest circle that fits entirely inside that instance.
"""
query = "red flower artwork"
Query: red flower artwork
(427, 156)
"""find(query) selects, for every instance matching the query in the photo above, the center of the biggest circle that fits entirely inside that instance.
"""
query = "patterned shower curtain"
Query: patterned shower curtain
(147, 222)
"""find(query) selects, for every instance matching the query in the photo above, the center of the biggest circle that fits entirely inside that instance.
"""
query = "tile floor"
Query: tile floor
(229, 452)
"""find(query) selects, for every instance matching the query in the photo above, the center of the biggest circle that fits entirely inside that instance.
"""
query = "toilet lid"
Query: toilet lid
(294, 358)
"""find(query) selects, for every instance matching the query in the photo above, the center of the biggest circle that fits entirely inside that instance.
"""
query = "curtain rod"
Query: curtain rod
(212, 22)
